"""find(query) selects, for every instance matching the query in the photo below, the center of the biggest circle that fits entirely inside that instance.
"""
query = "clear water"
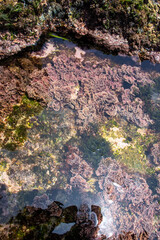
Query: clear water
(104, 161)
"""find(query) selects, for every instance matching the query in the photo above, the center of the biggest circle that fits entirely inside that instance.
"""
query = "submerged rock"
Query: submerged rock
(35, 222)
(85, 216)
(77, 164)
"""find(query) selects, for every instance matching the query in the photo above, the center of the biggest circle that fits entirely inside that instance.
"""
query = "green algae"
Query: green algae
(140, 17)
(41, 159)
(15, 126)
(56, 36)
(92, 183)
(18, 15)
(9, 11)
(3, 166)
(24, 226)
(129, 144)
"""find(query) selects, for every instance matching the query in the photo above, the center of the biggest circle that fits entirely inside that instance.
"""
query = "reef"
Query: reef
(126, 200)
(127, 205)
(130, 144)
(130, 27)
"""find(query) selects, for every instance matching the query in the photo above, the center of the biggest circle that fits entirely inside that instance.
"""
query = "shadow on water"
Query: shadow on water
(94, 147)
(12, 203)
(152, 183)
(145, 65)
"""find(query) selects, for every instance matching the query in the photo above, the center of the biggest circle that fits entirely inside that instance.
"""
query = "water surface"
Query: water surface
(95, 141)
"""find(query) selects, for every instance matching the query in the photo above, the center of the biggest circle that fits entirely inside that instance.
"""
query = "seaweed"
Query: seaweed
(129, 144)
(17, 123)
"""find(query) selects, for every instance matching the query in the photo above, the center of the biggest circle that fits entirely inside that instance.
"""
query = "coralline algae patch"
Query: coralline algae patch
(129, 144)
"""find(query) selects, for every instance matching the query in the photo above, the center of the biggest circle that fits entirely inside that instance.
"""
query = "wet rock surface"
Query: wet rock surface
(122, 26)
(127, 204)
(85, 224)
(155, 155)
(35, 222)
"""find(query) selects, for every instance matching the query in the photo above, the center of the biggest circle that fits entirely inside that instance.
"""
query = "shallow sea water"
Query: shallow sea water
(106, 161)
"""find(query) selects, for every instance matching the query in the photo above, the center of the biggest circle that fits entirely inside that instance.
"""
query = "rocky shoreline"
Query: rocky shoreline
(121, 27)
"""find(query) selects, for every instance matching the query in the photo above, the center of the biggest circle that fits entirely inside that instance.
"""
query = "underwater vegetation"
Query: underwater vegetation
(136, 20)
(10, 11)
(91, 144)
(129, 144)
(50, 162)
(14, 129)
(35, 154)
(36, 223)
